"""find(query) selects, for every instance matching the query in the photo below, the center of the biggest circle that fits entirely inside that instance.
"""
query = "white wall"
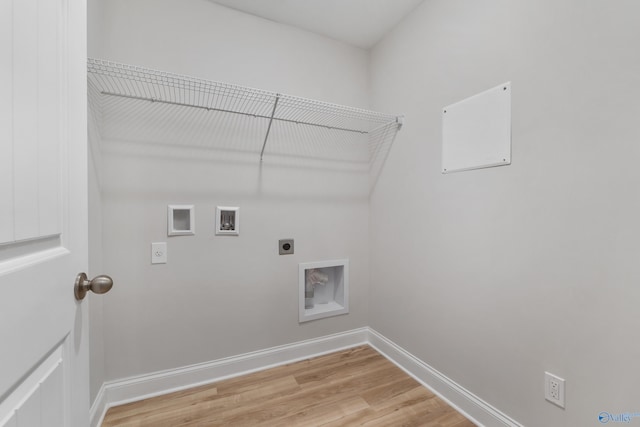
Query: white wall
(223, 296)
(500, 274)
(202, 39)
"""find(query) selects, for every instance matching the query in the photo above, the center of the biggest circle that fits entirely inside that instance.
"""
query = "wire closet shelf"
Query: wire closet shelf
(108, 78)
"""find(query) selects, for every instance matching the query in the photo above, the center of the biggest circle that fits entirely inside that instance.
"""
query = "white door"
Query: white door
(43, 213)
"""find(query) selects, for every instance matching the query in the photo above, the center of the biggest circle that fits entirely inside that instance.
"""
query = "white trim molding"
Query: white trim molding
(99, 408)
(114, 393)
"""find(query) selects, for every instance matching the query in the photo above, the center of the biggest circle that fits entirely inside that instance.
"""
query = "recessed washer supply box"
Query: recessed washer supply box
(323, 289)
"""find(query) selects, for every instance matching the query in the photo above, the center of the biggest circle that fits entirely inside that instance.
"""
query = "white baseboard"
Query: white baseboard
(131, 389)
(114, 393)
(98, 408)
(465, 402)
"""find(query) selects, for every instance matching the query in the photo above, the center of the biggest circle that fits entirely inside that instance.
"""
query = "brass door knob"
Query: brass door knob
(98, 285)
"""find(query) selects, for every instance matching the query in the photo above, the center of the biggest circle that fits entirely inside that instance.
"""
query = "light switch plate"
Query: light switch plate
(159, 253)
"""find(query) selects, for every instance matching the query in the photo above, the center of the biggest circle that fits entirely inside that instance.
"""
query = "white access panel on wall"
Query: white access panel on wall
(476, 132)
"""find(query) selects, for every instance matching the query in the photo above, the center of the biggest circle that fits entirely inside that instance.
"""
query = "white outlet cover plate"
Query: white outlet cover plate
(554, 394)
(159, 253)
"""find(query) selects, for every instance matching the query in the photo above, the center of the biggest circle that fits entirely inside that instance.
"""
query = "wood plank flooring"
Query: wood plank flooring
(355, 387)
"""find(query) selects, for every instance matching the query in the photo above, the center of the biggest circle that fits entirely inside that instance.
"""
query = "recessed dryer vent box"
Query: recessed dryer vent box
(228, 220)
(181, 220)
(476, 132)
(324, 289)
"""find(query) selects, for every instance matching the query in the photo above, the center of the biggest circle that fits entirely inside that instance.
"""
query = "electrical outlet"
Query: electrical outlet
(285, 246)
(554, 389)
(159, 253)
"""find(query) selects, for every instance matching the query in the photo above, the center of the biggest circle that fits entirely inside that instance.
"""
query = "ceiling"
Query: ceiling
(360, 23)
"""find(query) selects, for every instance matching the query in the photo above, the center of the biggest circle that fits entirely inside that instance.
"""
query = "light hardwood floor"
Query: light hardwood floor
(350, 388)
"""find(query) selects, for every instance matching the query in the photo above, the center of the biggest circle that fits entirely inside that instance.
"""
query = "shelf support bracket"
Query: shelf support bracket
(273, 113)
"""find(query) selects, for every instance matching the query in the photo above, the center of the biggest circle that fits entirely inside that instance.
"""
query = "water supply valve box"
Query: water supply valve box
(323, 289)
